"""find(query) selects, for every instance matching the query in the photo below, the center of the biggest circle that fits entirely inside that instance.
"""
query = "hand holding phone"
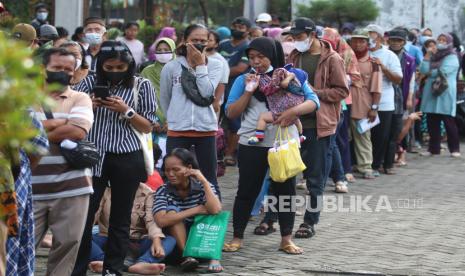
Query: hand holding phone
(101, 92)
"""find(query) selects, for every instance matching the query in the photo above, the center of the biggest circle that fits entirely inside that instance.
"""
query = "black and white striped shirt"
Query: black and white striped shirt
(166, 198)
(112, 133)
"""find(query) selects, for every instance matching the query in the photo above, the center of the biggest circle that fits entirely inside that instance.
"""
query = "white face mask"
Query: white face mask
(42, 16)
(93, 38)
(78, 64)
(304, 45)
(441, 46)
(267, 71)
(164, 57)
(372, 43)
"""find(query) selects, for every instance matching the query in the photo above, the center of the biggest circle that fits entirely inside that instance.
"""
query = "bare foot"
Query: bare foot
(215, 266)
(289, 247)
(47, 241)
(96, 266)
(147, 269)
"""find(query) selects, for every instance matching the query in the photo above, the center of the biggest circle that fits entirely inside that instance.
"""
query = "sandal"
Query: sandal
(305, 231)
(389, 171)
(229, 161)
(215, 268)
(350, 178)
(368, 175)
(262, 230)
(291, 249)
(189, 264)
(231, 247)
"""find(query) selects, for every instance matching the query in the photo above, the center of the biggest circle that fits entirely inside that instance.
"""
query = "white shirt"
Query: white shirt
(136, 47)
(392, 63)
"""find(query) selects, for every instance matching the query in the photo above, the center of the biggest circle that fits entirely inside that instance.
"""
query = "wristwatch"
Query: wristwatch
(374, 107)
(129, 114)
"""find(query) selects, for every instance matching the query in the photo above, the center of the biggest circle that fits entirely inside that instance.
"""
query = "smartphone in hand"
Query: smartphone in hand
(100, 91)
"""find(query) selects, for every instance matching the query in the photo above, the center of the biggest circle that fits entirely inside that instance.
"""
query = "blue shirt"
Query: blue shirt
(414, 51)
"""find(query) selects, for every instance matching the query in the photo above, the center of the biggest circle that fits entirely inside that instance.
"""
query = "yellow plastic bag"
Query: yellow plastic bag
(284, 158)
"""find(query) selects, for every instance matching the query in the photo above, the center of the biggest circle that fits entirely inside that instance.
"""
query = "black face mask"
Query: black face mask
(115, 76)
(60, 77)
(199, 46)
(237, 34)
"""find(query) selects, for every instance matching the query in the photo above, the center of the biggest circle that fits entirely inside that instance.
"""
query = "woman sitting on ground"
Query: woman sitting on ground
(148, 245)
(185, 194)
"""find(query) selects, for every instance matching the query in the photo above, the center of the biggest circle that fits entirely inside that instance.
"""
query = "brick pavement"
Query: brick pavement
(424, 234)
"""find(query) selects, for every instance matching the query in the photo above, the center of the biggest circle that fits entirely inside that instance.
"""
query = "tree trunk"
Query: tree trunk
(203, 6)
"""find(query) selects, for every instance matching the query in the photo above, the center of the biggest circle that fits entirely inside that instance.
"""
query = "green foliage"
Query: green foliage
(24, 9)
(330, 12)
(147, 33)
(21, 85)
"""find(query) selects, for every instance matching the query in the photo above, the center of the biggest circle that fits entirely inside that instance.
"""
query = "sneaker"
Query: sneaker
(426, 154)
(302, 185)
(455, 154)
(375, 173)
(253, 140)
(108, 273)
(341, 187)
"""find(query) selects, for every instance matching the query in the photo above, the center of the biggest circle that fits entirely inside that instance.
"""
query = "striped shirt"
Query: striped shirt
(54, 178)
(166, 197)
(111, 132)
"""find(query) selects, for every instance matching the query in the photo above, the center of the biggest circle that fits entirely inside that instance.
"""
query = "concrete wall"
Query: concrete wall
(439, 15)
(69, 14)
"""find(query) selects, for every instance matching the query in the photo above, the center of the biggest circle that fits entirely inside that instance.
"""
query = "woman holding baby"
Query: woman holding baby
(248, 101)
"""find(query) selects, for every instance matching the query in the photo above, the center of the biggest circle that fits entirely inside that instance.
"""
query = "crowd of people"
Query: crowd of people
(356, 99)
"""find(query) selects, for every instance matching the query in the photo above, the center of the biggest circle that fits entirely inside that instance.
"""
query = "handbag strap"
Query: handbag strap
(48, 113)
(135, 91)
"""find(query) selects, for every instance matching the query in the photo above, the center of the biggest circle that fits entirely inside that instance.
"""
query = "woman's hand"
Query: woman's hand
(96, 102)
(157, 248)
(251, 82)
(116, 104)
(197, 174)
(202, 210)
(286, 118)
(195, 56)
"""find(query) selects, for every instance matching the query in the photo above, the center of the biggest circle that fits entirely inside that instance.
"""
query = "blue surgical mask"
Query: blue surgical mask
(42, 16)
(93, 38)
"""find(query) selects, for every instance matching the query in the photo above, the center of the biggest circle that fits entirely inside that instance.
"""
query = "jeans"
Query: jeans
(342, 140)
(205, 152)
(124, 172)
(145, 244)
(253, 165)
(317, 157)
(337, 170)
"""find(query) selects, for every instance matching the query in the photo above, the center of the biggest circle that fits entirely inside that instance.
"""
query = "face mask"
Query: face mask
(237, 34)
(42, 16)
(441, 46)
(266, 72)
(164, 58)
(347, 37)
(200, 47)
(78, 64)
(303, 46)
(93, 38)
(60, 77)
(114, 76)
(371, 43)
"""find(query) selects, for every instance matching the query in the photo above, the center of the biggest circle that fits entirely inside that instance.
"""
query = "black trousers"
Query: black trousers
(253, 164)
(123, 172)
(205, 151)
(380, 136)
(396, 128)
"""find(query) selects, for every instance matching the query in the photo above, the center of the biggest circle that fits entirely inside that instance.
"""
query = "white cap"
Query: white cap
(263, 17)
(375, 28)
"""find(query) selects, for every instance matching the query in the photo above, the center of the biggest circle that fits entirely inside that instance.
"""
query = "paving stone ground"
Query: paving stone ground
(422, 234)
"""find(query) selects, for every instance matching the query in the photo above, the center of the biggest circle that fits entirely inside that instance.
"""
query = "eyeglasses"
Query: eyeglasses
(114, 49)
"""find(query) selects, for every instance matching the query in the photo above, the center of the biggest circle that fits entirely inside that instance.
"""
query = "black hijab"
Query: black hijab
(273, 50)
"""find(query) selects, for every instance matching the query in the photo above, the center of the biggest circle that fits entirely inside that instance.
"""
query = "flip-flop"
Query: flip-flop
(263, 231)
(229, 161)
(291, 249)
(231, 247)
(213, 268)
(189, 264)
